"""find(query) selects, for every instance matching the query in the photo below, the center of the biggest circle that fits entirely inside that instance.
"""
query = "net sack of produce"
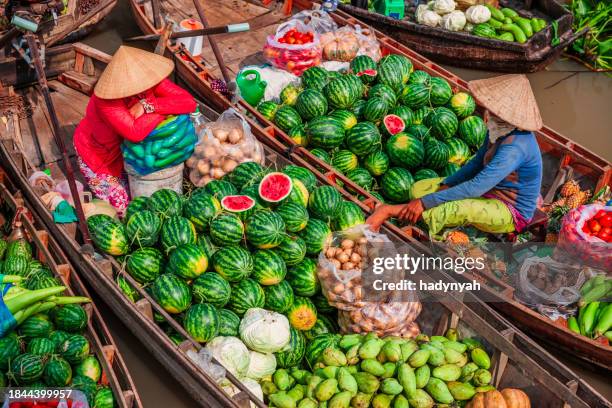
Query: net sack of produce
(295, 47)
(320, 21)
(169, 144)
(340, 45)
(368, 44)
(578, 243)
(226, 143)
(384, 319)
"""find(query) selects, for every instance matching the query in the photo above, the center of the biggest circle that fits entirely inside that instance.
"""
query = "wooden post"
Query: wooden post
(156, 17)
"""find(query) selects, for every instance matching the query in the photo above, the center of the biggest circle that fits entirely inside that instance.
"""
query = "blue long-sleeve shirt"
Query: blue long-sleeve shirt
(510, 169)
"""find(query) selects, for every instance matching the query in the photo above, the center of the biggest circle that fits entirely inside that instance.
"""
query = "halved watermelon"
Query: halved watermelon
(275, 187)
(393, 124)
(237, 203)
(368, 72)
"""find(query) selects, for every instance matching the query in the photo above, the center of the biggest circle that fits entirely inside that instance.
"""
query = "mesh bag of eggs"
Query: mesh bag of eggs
(225, 144)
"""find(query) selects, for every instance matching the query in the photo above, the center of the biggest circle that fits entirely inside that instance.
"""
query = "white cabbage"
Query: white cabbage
(454, 21)
(264, 331)
(469, 27)
(419, 12)
(443, 6)
(254, 387)
(430, 18)
(478, 14)
(261, 365)
(231, 353)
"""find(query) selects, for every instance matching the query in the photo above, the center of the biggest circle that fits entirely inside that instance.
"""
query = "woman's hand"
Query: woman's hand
(137, 110)
(412, 211)
(381, 214)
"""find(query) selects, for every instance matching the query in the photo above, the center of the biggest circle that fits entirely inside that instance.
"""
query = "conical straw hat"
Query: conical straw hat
(130, 72)
(510, 98)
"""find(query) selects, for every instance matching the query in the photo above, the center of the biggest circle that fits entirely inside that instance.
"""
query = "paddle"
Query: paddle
(231, 28)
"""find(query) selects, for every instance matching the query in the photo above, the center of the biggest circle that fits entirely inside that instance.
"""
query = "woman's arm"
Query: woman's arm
(470, 169)
(170, 99)
(118, 116)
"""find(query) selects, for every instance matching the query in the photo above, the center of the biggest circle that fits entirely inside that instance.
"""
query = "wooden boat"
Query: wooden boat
(563, 158)
(517, 360)
(116, 374)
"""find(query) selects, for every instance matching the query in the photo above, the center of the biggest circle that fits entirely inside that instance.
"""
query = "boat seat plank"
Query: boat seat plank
(217, 13)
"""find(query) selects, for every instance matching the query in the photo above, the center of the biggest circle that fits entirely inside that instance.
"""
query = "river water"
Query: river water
(572, 100)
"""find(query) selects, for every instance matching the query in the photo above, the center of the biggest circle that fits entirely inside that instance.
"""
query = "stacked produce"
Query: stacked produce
(594, 317)
(294, 48)
(594, 48)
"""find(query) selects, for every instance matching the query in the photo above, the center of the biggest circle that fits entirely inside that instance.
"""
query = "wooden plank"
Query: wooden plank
(91, 52)
(78, 81)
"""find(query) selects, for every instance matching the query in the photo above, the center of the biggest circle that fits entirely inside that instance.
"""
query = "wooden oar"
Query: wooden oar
(231, 28)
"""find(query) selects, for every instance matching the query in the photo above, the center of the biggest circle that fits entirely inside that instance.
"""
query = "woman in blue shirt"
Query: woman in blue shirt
(498, 189)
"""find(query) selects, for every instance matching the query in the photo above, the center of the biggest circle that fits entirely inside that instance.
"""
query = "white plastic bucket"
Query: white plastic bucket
(171, 178)
(193, 44)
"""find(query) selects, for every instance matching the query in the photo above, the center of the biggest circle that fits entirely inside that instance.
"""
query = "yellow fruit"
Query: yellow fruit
(570, 188)
(576, 200)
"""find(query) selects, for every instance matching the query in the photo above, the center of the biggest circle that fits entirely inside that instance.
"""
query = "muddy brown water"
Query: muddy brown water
(572, 100)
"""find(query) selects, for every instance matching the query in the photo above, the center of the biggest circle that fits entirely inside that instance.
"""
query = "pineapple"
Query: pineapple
(457, 237)
(551, 238)
(556, 204)
(570, 188)
(576, 200)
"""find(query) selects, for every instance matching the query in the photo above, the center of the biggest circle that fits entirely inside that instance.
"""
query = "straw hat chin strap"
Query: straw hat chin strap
(498, 128)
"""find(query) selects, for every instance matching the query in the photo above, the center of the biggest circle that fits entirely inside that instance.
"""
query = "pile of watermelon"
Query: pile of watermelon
(249, 240)
(383, 125)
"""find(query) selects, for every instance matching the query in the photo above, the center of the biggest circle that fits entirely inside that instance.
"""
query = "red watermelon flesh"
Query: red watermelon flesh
(237, 203)
(368, 72)
(275, 187)
(394, 124)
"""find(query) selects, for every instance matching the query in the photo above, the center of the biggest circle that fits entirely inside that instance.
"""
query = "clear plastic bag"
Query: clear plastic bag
(368, 44)
(227, 142)
(295, 58)
(340, 45)
(320, 21)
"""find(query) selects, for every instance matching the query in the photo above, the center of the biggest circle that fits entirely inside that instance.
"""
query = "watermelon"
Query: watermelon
(405, 150)
(233, 263)
(324, 202)
(383, 92)
(418, 131)
(268, 109)
(361, 64)
(303, 278)
(419, 77)
(206, 244)
(321, 155)
(376, 163)
(390, 74)
(323, 325)
(322, 304)
(212, 288)
(171, 293)
(177, 231)
(128, 290)
(361, 177)
(19, 247)
(246, 294)
(450, 169)
(443, 123)
(299, 194)
(420, 114)
(229, 322)
(70, 318)
(473, 131)
(462, 104)
(311, 104)
(166, 202)
(345, 161)
(220, 188)
(350, 215)
(26, 368)
(143, 228)
(16, 265)
(268, 267)
(396, 184)
(187, 261)
(86, 385)
(292, 355)
(57, 372)
(90, 367)
(302, 314)
(393, 124)
(404, 64)
(341, 92)
(294, 215)
(355, 84)
(316, 235)
(404, 113)
(325, 132)
(286, 118)
(303, 174)
(363, 138)
(440, 91)
(459, 151)
(289, 94)
(316, 346)
(292, 250)
(245, 174)
(279, 297)
(145, 265)
(37, 325)
(10, 348)
(265, 229)
(107, 235)
(202, 322)
(41, 346)
(347, 118)
(315, 78)
(423, 174)
(275, 187)
(415, 96)
(298, 135)
(237, 203)
(74, 349)
(135, 206)
(375, 109)
(104, 398)
(42, 283)
(436, 153)
(58, 337)
(357, 108)
(226, 229)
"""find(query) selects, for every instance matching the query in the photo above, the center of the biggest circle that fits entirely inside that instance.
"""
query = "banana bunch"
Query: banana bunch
(594, 317)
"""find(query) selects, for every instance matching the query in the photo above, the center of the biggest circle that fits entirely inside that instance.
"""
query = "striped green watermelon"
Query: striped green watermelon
(390, 74)
(420, 114)
(90, 367)
(316, 235)
(363, 138)
(324, 202)
(57, 372)
(187, 261)
(323, 325)
(253, 192)
(396, 184)
(302, 314)
(450, 169)
(279, 297)
(443, 123)
(415, 95)
(86, 385)
(10, 347)
(219, 189)
(357, 108)
(462, 104)
(177, 231)
(246, 174)
(226, 229)
(268, 109)
(459, 151)
(206, 244)
(200, 209)
(383, 92)
(404, 112)
(143, 228)
(26, 368)
(292, 250)
(375, 109)
(19, 247)
(419, 77)
(246, 294)
(303, 278)
(3, 380)
(229, 322)
(210, 287)
(298, 135)
(341, 92)
(16, 265)
(363, 63)
(303, 174)
(107, 234)
(344, 161)
(418, 131)
(356, 85)
(289, 94)
(321, 155)
(233, 263)
(292, 355)
(104, 398)
(128, 290)
(376, 163)
(286, 118)
(325, 132)
(423, 174)
(311, 104)
(171, 293)
(135, 206)
(294, 215)
(42, 283)
(41, 346)
(473, 131)
(404, 64)
(268, 267)
(202, 322)
(145, 264)
(405, 150)
(166, 202)
(265, 229)
(74, 349)
(316, 346)
(37, 325)
(70, 318)
(361, 177)
(58, 337)
(440, 91)
(299, 194)
(347, 118)
(315, 78)
(350, 215)
(436, 153)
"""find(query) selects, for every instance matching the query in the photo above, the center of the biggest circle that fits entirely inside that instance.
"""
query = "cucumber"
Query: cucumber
(165, 162)
(524, 25)
(163, 153)
(173, 139)
(495, 23)
(149, 161)
(506, 36)
(484, 30)
(138, 151)
(495, 12)
(508, 12)
(516, 31)
(156, 146)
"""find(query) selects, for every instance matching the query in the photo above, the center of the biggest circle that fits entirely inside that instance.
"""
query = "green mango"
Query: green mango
(482, 377)
(382, 401)
(455, 345)
(407, 379)
(361, 400)
(352, 355)
(329, 372)
(408, 349)
(308, 403)
(349, 340)
(281, 379)
(421, 400)
(436, 356)
(353, 369)
(452, 334)
(323, 404)
(370, 336)
(268, 387)
(370, 348)
(400, 402)
(422, 338)
(389, 370)
(333, 357)
(485, 388)
(373, 367)
(463, 360)
(390, 386)
(282, 400)
(467, 372)
(300, 376)
(471, 343)
(451, 356)
(392, 351)
(381, 358)
(481, 358)
(461, 391)
(297, 392)
(422, 375)
(439, 391)
(366, 382)
(437, 344)
(340, 400)
(447, 372)
(419, 358)
(313, 382)
(326, 389)
(440, 339)
(346, 382)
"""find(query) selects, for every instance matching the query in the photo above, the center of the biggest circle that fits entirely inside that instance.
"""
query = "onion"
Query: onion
(348, 266)
(203, 167)
(234, 136)
(336, 263)
(355, 257)
(343, 257)
(347, 243)
(220, 134)
(229, 165)
(217, 173)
